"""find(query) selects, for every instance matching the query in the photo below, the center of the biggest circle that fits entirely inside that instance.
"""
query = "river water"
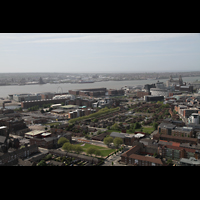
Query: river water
(5, 90)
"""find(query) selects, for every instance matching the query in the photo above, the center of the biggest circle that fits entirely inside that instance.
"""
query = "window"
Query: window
(136, 161)
(153, 164)
(143, 162)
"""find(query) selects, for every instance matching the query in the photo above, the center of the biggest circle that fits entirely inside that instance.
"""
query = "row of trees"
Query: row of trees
(116, 141)
(64, 142)
(69, 147)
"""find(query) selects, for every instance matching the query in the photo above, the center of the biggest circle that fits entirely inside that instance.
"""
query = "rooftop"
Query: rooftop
(3, 127)
(146, 158)
(167, 125)
(34, 132)
(191, 161)
(69, 106)
(121, 135)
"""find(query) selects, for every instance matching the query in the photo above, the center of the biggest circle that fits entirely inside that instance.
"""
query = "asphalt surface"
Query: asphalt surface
(113, 158)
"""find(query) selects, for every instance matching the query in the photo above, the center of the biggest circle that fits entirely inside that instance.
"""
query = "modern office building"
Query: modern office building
(26, 97)
(148, 98)
(159, 92)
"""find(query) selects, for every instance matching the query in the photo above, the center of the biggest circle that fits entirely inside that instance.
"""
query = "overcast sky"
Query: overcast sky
(99, 52)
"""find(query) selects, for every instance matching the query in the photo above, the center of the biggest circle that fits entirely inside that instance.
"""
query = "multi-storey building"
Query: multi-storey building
(174, 151)
(171, 129)
(175, 138)
(26, 97)
(136, 156)
(112, 92)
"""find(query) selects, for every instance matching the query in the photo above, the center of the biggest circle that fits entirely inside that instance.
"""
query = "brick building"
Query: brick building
(48, 143)
(112, 92)
(8, 158)
(136, 156)
(47, 95)
(13, 124)
(28, 104)
(171, 129)
(127, 139)
(174, 151)
(95, 92)
(175, 138)
(188, 112)
(80, 102)
(185, 88)
(141, 94)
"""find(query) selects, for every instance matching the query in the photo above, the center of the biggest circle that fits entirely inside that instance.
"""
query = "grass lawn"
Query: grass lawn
(147, 130)
(104, 151)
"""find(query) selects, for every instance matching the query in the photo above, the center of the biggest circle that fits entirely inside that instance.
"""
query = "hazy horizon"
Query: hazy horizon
(99, 52)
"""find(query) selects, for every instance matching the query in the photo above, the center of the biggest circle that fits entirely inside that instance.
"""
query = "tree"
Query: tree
(78, 149)
(117, 141)
(91, 150)
(115, 126)
(108, 140)
(62, 140)
(67, 146)
(155, 125)
(97, 152)
(42, 163)
(42, 111)
(169, 162)
(137, 125)
(98, 132)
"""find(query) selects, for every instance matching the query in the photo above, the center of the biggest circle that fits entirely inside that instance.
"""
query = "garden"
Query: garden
(64, 160)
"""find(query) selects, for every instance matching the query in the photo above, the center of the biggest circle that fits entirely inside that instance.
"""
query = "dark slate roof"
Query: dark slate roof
(167, 125)
(121, 135)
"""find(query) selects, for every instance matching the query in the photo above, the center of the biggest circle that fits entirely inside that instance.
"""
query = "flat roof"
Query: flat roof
(139, 135)
(3, 127)
(121, 135)
(45, 134)
(69, 106)
(34, 132)
(191, 160)
(58, 104)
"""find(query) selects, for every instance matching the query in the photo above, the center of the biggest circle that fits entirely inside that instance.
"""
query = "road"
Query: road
(114, 158)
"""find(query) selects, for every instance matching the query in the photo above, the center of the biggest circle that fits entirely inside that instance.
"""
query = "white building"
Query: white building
(67, 96)
(194, 118)
(159, 92)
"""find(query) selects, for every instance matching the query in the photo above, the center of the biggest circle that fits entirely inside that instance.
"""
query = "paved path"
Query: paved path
(94, 142)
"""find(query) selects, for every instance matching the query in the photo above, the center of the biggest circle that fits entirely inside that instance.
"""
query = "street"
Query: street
(113, 158)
